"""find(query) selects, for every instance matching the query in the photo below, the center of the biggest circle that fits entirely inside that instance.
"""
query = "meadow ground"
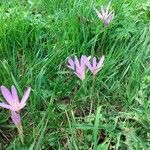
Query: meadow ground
(36, 39)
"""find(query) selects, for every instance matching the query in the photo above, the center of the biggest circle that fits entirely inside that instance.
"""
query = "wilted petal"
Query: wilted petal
(7, 95)
(15, 118)
(6, 106)
(25, 96)
(14, 94)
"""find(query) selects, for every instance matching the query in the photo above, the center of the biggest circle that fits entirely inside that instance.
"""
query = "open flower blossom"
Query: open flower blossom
(105, 15)
(95, 66)
(79, 66)
(12, 99)
(15, 105)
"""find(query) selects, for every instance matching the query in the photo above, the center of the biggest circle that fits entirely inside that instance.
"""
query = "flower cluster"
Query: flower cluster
(81, 66)
(105, 15)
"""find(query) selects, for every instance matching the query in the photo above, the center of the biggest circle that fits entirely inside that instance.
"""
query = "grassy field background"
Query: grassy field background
(37, 37)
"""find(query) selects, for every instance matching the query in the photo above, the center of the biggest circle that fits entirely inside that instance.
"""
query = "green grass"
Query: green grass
(37, 37)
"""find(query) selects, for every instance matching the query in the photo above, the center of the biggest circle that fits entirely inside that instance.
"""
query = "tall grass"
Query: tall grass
(36, 37)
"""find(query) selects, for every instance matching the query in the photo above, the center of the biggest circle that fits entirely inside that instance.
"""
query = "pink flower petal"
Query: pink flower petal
(6, 106)
(83, 62)
(71, 64)
(84, 58)
(76, 61)
(88, 64)
(14, 94)
(7, 95)
(25, 96)
(94, 62)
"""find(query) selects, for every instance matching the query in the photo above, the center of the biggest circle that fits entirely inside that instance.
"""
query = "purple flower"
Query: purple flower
(105, 15)
(11, 97)
(79, 66)
(95, 66)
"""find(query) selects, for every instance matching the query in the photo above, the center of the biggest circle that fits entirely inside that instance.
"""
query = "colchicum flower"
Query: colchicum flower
(105, 15)
(14, 105)
(79, 66)
(95, 66)
(12, 99)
